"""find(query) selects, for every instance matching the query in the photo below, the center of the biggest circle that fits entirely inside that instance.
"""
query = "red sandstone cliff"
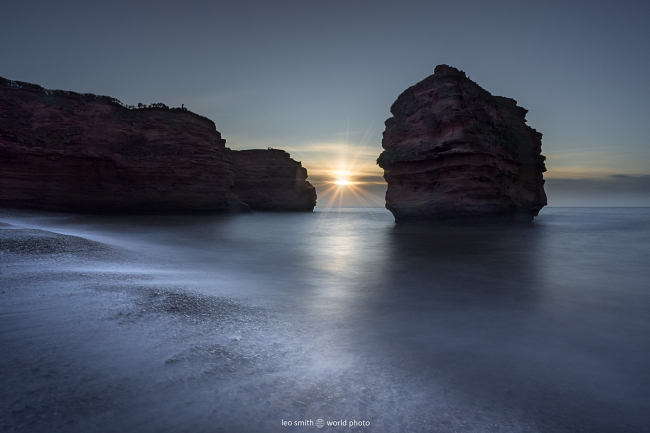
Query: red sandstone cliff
(80, 152)
(271, 180)
(454, 150)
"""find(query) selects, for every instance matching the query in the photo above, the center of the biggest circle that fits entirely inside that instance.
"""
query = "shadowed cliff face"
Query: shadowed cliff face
(271, 180)
(454, 150)
(67, 151)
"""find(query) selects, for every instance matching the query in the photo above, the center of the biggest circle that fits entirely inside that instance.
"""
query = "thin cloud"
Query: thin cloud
(620, 189)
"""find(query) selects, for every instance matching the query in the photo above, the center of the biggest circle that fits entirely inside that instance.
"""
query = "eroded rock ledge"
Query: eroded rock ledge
(67, 151)
(453, 150)
(271, 180)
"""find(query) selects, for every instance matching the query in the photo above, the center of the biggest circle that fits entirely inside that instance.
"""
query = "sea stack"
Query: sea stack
(67, 151)
(452, 150)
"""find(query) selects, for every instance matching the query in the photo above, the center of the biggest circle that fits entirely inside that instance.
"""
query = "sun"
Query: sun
(342, 178)
(347, 180)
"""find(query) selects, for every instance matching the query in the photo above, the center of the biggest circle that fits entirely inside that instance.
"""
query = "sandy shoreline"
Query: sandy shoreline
(88, 351)
(94, 350)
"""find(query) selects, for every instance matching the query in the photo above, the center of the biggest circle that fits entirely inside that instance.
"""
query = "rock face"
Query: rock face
(271, 180)
(453, 150)
(67, 151)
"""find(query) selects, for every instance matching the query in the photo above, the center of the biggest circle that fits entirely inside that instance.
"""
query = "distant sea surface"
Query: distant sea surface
(269, 322)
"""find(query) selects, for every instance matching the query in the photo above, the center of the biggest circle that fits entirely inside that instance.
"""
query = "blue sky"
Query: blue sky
(318, 78)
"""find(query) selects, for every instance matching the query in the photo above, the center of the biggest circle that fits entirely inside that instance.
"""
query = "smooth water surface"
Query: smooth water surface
(238, 323)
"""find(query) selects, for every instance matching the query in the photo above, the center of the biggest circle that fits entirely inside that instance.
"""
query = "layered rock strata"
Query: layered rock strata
(66, 151)
(453, 150)
(271, 180)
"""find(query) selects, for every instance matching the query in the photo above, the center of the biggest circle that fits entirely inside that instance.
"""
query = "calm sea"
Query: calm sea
(267, 322)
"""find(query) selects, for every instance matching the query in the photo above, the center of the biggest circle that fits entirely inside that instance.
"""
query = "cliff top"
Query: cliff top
(91, 97)
(448, 70)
